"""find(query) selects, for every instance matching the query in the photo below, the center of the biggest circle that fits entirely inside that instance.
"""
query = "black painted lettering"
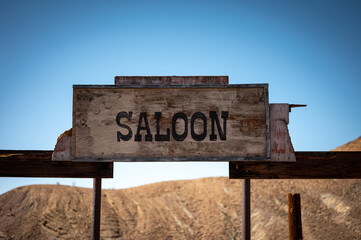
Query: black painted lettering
(159, 137)
(176, 136)
(202, 136)
(222, 133)
(121, 136)
(148, 136)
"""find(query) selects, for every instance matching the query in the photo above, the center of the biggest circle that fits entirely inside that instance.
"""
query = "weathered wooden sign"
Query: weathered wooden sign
(171, 123)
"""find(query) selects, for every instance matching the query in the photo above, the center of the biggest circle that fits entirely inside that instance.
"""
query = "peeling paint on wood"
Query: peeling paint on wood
(281, 145)
(63, 147)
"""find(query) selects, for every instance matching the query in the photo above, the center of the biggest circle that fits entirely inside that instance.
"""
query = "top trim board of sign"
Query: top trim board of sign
(171, 123)
(256, 85)
(171, 80)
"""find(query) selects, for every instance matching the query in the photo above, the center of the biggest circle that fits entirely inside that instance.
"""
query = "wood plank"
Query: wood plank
(170, 80)
(24, 163)
(308, 165)
(281, 145)
(98, 135)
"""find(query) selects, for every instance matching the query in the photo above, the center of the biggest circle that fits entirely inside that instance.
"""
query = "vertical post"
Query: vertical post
(246, 209)
(97, 194)
(294, 216)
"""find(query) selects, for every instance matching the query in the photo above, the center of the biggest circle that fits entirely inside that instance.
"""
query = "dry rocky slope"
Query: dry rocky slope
(354, 145)
(207, 208)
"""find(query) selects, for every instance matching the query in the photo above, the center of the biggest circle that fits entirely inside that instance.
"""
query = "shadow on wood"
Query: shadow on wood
(294, 216)
(308, 165)
(20, 163)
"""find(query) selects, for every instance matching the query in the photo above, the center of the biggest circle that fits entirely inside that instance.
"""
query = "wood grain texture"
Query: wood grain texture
(95, 128)
(281, 145)
(63, 147)
(308, 165)
(24, 163)
(294, 216)
(170, 80)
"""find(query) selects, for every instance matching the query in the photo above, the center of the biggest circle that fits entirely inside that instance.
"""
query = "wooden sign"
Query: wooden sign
(170, 123)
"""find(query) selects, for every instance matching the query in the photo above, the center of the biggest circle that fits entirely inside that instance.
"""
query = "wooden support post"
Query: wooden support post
(246, 209)
(97, 194)
(294, 216)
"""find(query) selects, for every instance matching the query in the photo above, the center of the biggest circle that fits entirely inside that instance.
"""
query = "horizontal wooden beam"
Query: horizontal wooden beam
(20, 163)
(170, 80)
(308, 165)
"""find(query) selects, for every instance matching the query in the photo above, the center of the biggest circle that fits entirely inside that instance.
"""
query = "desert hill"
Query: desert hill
(354, 145)
(208, 208)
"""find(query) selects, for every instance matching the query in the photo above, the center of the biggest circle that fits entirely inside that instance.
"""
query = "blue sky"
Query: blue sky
(308, 51)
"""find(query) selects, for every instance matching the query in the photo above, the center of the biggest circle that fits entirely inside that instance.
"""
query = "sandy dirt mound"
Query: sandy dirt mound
(354, 145)
(208, 208)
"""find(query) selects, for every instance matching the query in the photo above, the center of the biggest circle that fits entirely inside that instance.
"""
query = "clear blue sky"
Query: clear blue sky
(308, 51)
